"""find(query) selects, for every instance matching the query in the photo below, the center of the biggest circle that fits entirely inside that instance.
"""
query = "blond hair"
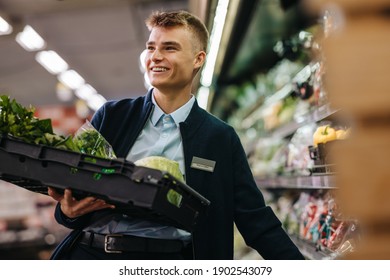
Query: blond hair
(180, 18)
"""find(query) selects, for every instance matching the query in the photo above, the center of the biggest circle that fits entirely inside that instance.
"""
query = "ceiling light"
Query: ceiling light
(142, 65)
(215, 40)
(203, 97)
(72, 79)
(147, 83)
(63, 92)
(85, 92)
(96, 101)
(30, 40)
(82, 109)
(5, 28)
(51, 61)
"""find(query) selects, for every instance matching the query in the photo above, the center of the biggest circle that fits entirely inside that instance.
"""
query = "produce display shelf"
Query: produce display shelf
(311, 251)
(138, 191)
(297, 182)
(316, 115)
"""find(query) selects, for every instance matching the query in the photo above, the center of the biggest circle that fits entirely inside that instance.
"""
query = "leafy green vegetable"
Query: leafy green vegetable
(19, 122)
(89, 141)
(163, 164)
(167, 165)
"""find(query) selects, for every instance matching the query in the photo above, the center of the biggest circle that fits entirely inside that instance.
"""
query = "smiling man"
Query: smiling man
(168, 122)
(174, 56)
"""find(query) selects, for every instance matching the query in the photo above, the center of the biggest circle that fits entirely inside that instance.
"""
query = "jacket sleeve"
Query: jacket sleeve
(76, 223)
(257, 223)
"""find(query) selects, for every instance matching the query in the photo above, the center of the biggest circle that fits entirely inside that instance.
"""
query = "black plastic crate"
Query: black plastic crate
(138, 191)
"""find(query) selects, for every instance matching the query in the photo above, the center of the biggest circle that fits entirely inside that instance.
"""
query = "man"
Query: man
(168, 122)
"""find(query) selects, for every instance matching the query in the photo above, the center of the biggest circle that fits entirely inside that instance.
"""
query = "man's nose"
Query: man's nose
(156, 55)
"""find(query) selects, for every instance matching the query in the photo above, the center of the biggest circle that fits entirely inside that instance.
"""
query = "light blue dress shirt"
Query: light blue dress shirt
(160, 137)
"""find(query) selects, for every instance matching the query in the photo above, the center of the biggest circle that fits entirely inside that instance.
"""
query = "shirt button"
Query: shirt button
(164, 135)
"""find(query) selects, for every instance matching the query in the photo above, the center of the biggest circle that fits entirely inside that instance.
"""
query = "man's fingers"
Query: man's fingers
(55, 195)
(73, 208)
(100, 205)
(92, 204)
(68, 195)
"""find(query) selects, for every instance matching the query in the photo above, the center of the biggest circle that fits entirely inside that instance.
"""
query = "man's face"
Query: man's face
(171, 58)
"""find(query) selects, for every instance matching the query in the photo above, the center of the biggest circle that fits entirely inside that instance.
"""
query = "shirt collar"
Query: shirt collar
(178, 116)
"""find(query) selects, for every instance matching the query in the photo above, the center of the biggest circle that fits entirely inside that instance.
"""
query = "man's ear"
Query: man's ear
(199, 59)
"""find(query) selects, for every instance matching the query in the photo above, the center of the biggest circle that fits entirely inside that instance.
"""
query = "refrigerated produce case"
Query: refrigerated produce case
(270, 89)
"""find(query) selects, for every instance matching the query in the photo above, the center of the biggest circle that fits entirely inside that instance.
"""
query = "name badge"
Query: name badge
(203, 164)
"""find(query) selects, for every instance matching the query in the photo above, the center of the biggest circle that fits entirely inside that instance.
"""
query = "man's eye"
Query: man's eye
(150, 48)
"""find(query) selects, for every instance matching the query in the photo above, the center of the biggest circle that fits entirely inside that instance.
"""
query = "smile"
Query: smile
(159, 69)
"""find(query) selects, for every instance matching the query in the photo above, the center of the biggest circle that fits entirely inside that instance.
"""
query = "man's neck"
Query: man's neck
(170, 101)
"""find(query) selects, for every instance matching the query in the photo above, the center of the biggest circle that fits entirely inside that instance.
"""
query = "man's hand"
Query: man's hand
(73, 208)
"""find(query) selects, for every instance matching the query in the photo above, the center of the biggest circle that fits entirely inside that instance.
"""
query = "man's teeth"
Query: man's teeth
(159, 69)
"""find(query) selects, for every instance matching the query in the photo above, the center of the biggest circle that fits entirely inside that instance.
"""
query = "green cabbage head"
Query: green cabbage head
(163, 164)
(167, 165)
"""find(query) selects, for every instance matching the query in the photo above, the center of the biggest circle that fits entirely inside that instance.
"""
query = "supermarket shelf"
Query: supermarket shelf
(310, 251)
(253, 111)
(297, 182)
(316, 115)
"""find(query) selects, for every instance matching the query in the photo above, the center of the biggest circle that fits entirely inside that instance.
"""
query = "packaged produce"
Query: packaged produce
(88, 140)
(269, 157)
(299, 160)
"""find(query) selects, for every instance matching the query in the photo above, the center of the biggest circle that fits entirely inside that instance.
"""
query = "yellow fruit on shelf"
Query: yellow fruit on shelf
(324, 134)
